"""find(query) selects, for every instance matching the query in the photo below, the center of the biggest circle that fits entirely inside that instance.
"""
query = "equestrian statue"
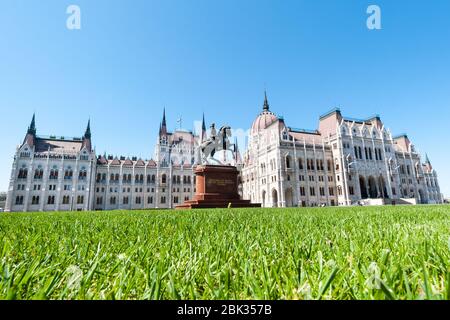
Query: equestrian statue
(217, 141)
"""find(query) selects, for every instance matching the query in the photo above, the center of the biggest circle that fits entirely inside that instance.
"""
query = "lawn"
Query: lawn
(311, 253)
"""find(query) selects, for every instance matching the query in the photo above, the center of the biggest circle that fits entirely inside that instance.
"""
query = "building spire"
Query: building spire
(164, 117)
(32, 127)
(163, 126)
(203, 135)
(427, 160)
(31, 132)
(266, 102)
(87, 137)
(203, 123)
(87, 134)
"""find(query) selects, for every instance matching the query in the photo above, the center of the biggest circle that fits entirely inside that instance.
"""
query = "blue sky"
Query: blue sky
(131, 58)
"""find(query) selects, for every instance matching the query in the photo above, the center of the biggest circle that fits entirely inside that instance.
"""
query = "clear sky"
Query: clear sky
(132, 58)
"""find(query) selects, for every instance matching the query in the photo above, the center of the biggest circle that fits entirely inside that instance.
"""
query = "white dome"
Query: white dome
(265, 119)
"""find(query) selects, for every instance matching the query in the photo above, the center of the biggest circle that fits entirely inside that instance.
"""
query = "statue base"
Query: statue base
(217, 187)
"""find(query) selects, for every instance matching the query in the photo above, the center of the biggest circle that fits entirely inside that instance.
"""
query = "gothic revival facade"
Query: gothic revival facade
(344, 162)
(58, 173)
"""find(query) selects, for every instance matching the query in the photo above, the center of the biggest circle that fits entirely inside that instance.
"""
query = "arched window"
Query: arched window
(288, 162)
(38, 173)
(329, 165)
(54, 174)
(83, 174)
(65, 200)
(35, 200)
(19, 200)
(300, 163)
(164, 178)
(68, 174)
(319, 163)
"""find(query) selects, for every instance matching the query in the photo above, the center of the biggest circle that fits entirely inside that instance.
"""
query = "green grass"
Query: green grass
(330, 253)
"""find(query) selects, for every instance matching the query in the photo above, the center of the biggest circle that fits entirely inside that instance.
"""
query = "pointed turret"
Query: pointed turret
(87, 134)
(203, 128)
(30, 137)
(32, 127)
(164, 118)
(163, 124)
(87, 137)
(203, 123)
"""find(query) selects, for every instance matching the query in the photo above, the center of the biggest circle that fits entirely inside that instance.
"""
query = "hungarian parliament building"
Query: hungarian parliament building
(343, 162)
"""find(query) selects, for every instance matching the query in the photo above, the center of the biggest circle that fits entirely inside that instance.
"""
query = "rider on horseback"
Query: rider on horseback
(215, 142)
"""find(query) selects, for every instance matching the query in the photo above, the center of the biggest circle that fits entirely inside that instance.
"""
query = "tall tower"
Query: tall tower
(30, 137)
(162, 149)
(203, 136)
(87, 143)
(164, 124)
(29, 141)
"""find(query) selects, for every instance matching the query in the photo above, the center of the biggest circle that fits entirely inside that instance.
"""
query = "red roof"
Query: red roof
(151, 163)
(102, 160)
(115, 162)
(128, 163)
(140, 163)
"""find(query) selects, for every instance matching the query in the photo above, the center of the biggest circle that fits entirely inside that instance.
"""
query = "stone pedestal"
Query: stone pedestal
(217, 187)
